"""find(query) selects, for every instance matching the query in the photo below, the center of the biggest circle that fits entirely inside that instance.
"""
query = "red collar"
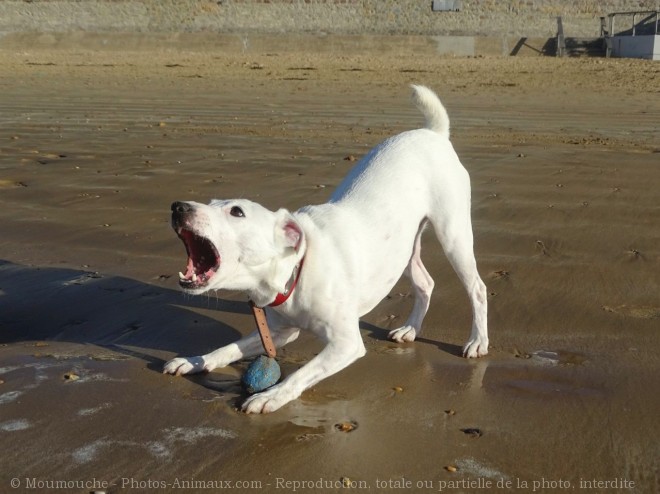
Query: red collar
(291, 284)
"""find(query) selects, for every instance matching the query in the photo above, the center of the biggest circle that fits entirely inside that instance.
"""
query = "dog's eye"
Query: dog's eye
(238, 212)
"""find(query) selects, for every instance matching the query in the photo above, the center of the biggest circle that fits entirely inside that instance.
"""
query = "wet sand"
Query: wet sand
(563, 156)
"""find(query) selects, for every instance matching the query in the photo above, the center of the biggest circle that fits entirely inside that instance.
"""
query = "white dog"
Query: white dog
(322, 267)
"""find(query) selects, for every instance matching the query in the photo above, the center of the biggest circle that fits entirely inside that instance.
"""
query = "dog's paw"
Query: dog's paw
(268, 401)
(476, 347)
(180, 366)
(403, 334)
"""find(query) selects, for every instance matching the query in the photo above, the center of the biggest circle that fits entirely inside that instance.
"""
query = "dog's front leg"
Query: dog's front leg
(338, 354)
(249, 346)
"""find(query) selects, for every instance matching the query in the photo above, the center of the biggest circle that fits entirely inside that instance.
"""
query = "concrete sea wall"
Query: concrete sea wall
(492, 27)
(532, 18)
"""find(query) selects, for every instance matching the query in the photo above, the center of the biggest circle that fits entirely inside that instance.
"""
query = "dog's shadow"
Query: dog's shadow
(131, 318)
(120, 314)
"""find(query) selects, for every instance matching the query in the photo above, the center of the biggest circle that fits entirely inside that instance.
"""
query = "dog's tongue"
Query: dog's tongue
(203, 260)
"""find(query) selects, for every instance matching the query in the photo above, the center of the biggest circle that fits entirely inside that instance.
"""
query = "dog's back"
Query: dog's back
(391, 192)
(407, 168)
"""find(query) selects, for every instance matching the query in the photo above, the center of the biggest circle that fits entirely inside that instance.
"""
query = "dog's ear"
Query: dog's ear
(288, 232)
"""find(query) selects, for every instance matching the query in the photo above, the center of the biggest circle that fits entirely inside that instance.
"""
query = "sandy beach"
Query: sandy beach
(564, 160)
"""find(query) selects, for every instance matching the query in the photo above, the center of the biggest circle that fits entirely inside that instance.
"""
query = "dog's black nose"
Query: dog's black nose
(181, 207)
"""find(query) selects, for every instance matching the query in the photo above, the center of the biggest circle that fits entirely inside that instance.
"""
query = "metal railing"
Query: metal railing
(647, 15)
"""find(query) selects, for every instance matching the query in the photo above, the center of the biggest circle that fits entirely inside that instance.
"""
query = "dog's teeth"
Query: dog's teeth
(194, 278)
(182, 276)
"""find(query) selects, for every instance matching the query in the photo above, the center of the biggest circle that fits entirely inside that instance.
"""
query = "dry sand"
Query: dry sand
(565, 168)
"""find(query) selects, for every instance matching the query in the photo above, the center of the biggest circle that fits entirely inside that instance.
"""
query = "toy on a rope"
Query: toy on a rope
(263, 372)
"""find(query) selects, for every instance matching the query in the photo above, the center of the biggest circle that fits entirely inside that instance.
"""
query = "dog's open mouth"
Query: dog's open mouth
(203, 260)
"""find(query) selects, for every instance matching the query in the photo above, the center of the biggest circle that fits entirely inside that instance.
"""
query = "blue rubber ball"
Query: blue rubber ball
(263, 373)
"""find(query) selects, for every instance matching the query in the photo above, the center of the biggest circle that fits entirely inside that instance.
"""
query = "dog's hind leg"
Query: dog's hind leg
(457, 242)
(422, 286)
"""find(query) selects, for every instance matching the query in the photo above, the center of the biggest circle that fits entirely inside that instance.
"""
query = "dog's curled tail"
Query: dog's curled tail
(429, 104)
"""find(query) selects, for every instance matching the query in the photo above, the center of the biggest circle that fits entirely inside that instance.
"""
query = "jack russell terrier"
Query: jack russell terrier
(323, 267)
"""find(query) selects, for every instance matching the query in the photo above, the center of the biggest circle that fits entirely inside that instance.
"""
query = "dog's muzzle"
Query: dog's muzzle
(203, 257)
(179, 212)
